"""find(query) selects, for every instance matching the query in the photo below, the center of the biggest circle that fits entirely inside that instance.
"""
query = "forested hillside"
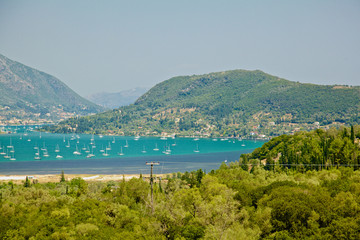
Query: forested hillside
(304, 151)
(314, 196)
(229, 203)
(246, 103)
(29, 94)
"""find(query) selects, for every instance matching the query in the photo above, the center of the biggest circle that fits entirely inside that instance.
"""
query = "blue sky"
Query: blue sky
(97, 46)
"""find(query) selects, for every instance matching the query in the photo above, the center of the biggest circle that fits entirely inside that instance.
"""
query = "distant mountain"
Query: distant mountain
(27, 94)
(119, 99)
(231, 103)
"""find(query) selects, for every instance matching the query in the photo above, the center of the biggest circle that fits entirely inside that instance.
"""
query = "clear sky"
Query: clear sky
(97, 46)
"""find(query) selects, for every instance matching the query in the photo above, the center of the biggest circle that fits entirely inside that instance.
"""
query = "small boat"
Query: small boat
(59, 156)
(102, 150)
(136, 138)
(68, 145)
(143, 151)
(101, 136)
(156, 147)
(57, 149)
(126, 144)
(121, 151)
(77, 152)
(87, 150)
(163, 138)
(105, 154)
(108, 147)
(197, 148)
(243, 145)
(46, 154)
(13, 157)
(196, 139)
(113, 141)
(174, 144)
(215, 139)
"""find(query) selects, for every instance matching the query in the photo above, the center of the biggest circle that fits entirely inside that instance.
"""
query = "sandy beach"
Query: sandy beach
(87, 177)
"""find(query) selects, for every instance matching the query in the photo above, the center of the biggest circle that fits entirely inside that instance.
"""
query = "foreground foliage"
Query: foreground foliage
(228, 203)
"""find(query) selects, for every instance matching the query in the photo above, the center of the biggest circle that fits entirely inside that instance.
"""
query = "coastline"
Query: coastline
(46, 178)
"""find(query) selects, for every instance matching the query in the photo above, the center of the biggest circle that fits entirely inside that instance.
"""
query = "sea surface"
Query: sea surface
(32, 152)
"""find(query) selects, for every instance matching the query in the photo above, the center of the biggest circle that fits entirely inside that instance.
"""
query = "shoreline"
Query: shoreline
(46, 178)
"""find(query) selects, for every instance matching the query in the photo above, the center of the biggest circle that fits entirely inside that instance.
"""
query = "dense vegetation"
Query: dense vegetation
(226, 104)
(237, 201)
(304, 151)
(25, 92)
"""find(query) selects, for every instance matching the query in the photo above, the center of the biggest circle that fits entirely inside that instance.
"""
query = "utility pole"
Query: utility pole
(151, 182)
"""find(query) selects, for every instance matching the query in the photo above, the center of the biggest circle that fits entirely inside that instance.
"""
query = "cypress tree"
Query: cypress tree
(352, 136)
(27, 182)
(62, 176)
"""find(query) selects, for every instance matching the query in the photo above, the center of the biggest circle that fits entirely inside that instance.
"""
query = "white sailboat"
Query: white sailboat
(144, 150)
(37, 155)
(59, 156)
(197, 148)
(105, 154)
(113, 141)
(68, 144)
(13, 157)
(121, 151)
(126, 144)
(57, 148)
(77, 152)
(156, 147)
(108, 147)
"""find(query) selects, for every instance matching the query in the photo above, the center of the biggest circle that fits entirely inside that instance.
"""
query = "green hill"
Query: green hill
(313, 150)
(27, 93)
(227, 103)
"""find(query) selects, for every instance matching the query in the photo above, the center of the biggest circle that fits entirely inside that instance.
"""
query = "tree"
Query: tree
(27, 182)
(62, 179)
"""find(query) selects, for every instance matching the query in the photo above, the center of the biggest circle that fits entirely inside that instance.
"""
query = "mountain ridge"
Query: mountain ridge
(230, 103)
(26, 92)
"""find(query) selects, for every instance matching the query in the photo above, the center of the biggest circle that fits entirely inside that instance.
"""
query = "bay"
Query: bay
(113, 154)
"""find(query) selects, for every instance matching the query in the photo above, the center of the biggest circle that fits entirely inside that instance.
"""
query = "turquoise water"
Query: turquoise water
(34, 150)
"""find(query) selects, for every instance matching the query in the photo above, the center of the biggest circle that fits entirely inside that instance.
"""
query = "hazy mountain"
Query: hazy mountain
(119, 99)
(26, 93)
(228, 103)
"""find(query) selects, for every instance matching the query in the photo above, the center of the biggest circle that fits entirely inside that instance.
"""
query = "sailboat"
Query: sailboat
(84, 148)
(113, 141)
(90, 155)
(121, 151)
(102, 149)
(57, 149)
(45, 153)
(163, 138)
(87, 149)
(64, 139)
(68, 145)
(108, 147)
(174, 144)
(92, 140)
(143, 151)
(59, 156)
(13, 157)
(105, 154)
(136, 137)
(7, 154)
(43, 148)
(37, 155)
(156, 147)
(76, 152)
(126, 144)
(197, 148)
